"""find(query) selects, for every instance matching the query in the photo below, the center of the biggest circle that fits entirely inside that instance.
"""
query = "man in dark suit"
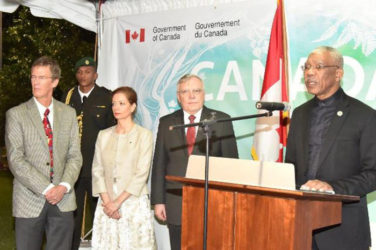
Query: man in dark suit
(43, 151)
(94, 113)
(173, 148)
(332, 143)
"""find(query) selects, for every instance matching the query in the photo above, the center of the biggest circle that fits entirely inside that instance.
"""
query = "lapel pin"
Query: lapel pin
(339, 113)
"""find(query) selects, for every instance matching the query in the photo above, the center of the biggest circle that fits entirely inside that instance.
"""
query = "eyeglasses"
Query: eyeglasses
(193, 91)
(317, 67)
(41, 78)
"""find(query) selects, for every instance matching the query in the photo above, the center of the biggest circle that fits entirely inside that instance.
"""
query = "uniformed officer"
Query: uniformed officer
(93, 108)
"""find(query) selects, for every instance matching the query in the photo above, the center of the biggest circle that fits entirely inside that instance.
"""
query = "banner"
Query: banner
(226, 45)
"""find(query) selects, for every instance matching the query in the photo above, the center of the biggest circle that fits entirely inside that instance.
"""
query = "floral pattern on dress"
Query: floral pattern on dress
(133, 231)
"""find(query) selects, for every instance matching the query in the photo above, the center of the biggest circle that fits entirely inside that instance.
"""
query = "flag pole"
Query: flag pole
(285, 48)
(286, 114)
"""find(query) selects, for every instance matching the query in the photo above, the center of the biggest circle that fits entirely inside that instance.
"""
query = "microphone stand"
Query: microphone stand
(206, 127)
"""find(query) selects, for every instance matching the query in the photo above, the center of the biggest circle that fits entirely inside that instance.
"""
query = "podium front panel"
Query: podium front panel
(254, 218)
(264, 222)
(221, 219)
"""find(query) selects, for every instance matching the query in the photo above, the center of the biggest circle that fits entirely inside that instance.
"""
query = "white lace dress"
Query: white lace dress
(134, 230)
(123, 158)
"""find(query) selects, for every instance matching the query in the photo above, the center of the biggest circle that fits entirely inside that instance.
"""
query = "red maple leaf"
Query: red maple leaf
(134, 35)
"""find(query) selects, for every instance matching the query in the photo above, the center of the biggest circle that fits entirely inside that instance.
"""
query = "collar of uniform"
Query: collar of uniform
(332, 100)
(82, 94)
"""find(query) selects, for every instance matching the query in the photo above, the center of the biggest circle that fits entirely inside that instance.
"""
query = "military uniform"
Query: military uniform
(93, 115)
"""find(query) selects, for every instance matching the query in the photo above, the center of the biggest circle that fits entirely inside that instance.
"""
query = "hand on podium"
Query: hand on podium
(317, 186)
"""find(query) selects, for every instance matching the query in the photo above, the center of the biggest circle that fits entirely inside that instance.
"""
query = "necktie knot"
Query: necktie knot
(191, 118)
(46, 112)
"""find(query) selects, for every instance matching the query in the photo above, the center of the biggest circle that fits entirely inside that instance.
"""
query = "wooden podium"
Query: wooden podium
(254, 218)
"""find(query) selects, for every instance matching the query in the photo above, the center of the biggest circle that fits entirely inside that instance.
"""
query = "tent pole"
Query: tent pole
(96, 48)
(97, 7)
(1, 40)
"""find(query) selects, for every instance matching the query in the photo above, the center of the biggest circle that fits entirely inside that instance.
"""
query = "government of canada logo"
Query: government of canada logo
(135, 36)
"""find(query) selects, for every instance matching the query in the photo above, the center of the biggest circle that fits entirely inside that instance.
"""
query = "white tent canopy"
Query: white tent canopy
(83, 12)
(132, 7)
(79, 12)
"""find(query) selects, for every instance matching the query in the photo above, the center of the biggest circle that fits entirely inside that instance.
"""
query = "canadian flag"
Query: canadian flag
(271, 132)
(140, 36)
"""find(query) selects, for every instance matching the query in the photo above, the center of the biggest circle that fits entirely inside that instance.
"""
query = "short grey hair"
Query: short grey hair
(187, 77)
(51, 63)
(334, 53)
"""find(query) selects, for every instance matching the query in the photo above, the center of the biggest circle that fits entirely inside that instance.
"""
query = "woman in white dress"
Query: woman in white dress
(123, 219)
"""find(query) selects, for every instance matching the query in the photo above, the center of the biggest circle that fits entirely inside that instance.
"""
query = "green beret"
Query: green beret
(86, 61)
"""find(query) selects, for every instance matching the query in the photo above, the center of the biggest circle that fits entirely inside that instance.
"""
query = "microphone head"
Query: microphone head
(213, 115)
(258, 105)
(272, 106)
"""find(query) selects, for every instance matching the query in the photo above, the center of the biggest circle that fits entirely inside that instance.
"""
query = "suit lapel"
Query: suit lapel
(75, 101)
(334, 128)
(58, 122)
(180, 132)
(110, 144)
(200, 135)
(304, 124)
(35, 118)
(93, 93)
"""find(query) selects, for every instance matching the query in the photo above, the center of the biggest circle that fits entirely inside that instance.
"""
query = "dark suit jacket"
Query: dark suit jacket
(347, 163)
(171, 157)
(97, 116)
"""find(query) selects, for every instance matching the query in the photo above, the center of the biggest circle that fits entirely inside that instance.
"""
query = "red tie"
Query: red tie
(191, 135)
(48, 130)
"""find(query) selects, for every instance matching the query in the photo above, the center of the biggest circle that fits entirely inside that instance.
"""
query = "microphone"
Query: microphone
(271, 106)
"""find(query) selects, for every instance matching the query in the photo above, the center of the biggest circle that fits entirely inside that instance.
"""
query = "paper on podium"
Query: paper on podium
(246, 172)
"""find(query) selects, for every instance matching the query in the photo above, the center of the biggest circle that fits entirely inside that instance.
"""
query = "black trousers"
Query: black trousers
(175, 236)
(82, 185)
(314, 245)
(57, 225)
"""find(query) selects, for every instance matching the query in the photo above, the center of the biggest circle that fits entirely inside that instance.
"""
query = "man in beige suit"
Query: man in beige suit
(44, 156)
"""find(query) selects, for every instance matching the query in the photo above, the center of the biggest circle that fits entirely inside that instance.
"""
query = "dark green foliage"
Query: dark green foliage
(25, 39)
(7, 241)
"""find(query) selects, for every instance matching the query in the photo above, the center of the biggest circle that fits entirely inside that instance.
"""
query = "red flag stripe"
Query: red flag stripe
(142, 35)
(127, 36)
